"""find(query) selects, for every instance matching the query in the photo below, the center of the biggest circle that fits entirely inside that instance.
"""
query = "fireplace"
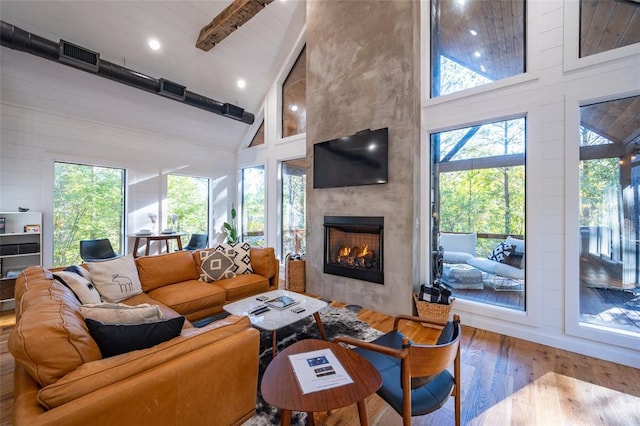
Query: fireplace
(353, 247)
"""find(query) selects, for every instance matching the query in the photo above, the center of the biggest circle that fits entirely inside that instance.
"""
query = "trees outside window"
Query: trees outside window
(609, 172)
(188, 204)
(294, 196)
(475, 42)
(253, 205)
(88, 203)
(478, 181)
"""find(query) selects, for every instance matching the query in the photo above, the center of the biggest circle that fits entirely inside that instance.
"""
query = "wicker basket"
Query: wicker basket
(295, 274)
(433, 311)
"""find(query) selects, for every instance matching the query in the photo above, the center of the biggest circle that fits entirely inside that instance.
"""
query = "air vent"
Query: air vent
(232, 111)
(79, 57)
(172, 90)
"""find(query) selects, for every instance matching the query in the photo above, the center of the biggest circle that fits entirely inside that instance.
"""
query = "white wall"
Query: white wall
(51, 112)
(555, 85)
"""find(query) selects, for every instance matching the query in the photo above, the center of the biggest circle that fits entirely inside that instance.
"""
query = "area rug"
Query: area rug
(336, 322)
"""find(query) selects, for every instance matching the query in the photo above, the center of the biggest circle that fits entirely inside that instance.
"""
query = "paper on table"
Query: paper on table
(318, 370)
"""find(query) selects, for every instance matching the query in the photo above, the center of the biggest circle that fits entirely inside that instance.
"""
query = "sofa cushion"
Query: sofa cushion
(116, 339)
(189, 296)
(120, 313)
(51, 338)
(84, 289)
(215, 265)
(465, 243)
(165, 269)
(115, 279)
(243, 286)
(263, 261)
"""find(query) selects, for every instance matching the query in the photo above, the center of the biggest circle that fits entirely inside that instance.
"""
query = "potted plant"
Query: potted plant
(231, 228)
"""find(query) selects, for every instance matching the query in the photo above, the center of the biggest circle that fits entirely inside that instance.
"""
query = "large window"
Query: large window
(294, 92)
(294, 197)
(474, 42)
(609, 214)
(188, 205)
(478, 181)
(88, 203)
(253, 205)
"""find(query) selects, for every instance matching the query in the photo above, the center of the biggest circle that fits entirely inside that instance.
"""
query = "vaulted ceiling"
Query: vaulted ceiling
(120, 30)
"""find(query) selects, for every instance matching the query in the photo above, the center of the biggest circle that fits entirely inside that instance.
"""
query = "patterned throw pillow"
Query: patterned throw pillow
(501, 252)
(83, 288)
(216, 265)
(240, 253)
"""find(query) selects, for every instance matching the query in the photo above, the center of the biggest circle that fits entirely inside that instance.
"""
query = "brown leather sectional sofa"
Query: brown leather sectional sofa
(206, 375)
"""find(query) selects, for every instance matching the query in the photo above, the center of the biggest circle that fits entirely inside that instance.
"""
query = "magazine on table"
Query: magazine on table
(281, 302)
(319, 370)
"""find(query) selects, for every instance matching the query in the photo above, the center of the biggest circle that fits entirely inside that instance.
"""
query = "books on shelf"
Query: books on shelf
(319, 370)
(281, 302)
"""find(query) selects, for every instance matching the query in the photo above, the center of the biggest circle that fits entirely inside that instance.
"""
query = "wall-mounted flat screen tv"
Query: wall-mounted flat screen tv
(360, 159)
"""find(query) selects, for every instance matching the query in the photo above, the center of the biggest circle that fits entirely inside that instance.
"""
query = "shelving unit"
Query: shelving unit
(20, 247)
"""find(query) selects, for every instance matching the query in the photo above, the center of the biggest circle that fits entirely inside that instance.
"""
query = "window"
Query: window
(188, 205)
(258, 138)
(294, 196)
(607, 25)
(294, 92)
(478, 181)
(253, 205)
(475, 42)
(88, 203)
(609, 214)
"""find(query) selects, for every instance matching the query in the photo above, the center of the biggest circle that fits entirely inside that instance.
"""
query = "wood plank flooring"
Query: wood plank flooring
(505, 381)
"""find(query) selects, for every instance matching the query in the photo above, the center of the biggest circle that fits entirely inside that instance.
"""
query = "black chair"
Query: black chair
(197, 242)
(96, 250)
(415, 378)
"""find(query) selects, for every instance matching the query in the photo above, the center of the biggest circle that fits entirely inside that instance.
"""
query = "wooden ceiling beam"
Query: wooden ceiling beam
(227, 21)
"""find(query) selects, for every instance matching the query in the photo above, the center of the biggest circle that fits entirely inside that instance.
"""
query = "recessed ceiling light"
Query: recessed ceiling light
(476, 54)
(154, 44)
(241, 83)
(294, 108)
(473, 32)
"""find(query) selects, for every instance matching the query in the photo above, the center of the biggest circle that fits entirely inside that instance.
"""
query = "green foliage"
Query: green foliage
(231, 228)
(88, 204)
(188, 199)
(253, 205)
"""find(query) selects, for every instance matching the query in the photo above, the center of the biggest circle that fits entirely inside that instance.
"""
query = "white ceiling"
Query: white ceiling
(120, 30)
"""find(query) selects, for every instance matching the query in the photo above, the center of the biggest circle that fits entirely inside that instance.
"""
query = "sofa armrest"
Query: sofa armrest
(216, 381)
(264, 262)
(95, 375)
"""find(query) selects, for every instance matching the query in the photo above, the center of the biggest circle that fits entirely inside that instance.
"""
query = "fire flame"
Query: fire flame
(365, 251)
(344, 251)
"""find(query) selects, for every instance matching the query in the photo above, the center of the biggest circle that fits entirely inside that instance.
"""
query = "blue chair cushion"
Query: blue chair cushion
(425, 399)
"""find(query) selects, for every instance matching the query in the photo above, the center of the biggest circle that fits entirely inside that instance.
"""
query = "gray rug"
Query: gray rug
(336, 321)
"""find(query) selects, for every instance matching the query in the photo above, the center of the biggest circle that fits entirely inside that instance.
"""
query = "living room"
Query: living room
(365, 71)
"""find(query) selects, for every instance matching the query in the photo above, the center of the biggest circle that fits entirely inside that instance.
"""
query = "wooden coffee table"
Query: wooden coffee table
(281, 389)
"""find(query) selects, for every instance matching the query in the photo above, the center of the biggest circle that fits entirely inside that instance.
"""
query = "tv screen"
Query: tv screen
(360, 159)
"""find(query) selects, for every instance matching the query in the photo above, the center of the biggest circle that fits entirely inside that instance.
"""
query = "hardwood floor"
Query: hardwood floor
(505, 381)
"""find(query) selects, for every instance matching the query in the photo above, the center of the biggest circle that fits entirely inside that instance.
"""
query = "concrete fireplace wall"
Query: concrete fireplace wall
(363, 73)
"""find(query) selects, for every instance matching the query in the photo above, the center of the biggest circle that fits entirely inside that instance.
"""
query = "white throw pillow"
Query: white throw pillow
(116, 279)
(119, 313)
(465, 243)
(240, 253)
(455, 257)
(84, 289)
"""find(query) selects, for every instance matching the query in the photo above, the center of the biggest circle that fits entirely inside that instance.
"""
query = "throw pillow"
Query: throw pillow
(515, 258)
(84, 289)
(216, 265)
(117, 279)
(500, 253)
(116, 339)
(119, 313)
(240, 253)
